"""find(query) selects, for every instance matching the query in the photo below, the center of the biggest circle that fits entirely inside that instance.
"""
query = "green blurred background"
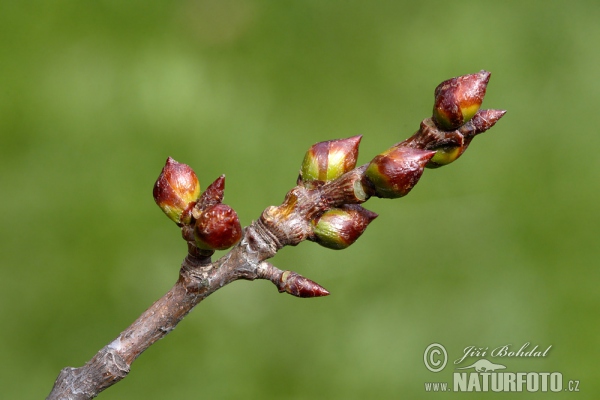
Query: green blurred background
(498, 248)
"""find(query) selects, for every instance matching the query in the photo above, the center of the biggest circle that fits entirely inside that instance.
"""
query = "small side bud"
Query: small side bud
(396, 171)
(338, 228)
(299, 286)
(481, 122)
(458, 99)
(213, 195)
(326, 161)
(450, 152)
(175, 189)
(217, 228)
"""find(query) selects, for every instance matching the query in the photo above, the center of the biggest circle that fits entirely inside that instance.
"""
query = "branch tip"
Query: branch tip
(299, 286)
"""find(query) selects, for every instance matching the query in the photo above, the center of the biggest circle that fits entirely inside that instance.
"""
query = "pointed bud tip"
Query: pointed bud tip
(492, 116)
(354, 140)
(495, 114)
(299, 286)
(213, 194)
(217, 185)
(484, 76)
(369, 215)
(321, 292)
(481, 122)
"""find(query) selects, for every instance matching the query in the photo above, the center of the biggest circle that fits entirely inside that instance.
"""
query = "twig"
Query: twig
(323, 207)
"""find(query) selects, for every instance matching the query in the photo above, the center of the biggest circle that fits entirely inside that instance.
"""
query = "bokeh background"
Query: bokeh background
(498, 248)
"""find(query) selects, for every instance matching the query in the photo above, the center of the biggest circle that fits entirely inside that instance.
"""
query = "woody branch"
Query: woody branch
(324, 207)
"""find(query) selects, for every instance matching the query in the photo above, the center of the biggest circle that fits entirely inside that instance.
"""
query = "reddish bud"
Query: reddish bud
(481, 122)
(217, 228)
(396, 171)
(338, 228)
(458, 99)
(326, 161)
(299, 286)
(211, 196)
(214, 192)
(175, 189)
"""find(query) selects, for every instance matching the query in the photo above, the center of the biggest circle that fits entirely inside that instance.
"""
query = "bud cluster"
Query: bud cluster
(456, 117)
(324, 206)
(211, 224)
(339, 227)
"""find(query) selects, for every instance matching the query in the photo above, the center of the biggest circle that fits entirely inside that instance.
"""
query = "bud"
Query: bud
(326, 161)
(458, 99)
(217, 228)
(458, 141)
(445, 155)
(338, 228)
(481, 122)
(299, 286)
(394, 172)
(448, 145)
(176, 189)
(212, 195)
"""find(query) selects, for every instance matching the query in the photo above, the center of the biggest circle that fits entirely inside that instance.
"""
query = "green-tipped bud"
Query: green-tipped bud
(445, 156)
(396, 171)
(326, 161)
(176, 189)
(338, 228)
(458, 99)
(217, 228)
